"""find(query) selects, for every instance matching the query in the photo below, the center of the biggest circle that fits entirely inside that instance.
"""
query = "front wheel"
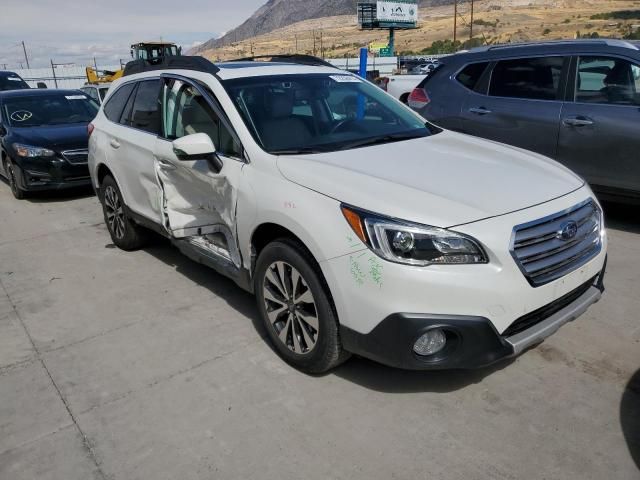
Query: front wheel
(13, 180)
(296, 309)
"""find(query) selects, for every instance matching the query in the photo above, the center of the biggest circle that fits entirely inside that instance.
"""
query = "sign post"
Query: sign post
(364, 56)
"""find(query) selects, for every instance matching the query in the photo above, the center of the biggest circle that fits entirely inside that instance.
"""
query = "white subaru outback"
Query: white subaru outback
(359, 227)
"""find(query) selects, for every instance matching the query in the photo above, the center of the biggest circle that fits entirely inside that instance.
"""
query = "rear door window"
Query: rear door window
(115, 105)
(470, 75)
(145, 114)
(607, 80)
(535, 78)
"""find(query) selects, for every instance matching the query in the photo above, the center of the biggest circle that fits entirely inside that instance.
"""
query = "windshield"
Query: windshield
(289, 114)
(54, 109)
(12, 82)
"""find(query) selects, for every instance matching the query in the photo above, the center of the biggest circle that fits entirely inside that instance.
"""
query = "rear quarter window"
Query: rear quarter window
(114, 106)
(470, 75)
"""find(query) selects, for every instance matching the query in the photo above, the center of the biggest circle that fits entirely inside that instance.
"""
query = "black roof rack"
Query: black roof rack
(199, 64)
(287, 58)
(611, 42)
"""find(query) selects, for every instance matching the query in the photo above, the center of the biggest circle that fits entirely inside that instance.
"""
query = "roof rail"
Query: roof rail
(199, 64)
(287, 58)
(612, 42)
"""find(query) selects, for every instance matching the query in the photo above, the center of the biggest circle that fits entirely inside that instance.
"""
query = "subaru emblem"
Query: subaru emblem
(568, 230)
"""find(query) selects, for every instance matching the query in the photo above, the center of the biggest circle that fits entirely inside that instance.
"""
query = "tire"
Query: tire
(300, 319)
(9, 169)
(125, 233)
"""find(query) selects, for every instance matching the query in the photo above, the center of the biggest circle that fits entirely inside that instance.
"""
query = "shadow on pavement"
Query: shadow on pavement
(380, 378)
(630, 417)
(358, 370)
(56, 196)
(241, 301)
(622, 217)
(59, 196)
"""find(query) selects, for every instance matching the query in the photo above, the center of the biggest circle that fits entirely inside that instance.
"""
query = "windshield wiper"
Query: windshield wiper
(380, 140)
(298, 151)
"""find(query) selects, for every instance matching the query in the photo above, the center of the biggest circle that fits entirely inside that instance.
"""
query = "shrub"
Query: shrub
(619, 14)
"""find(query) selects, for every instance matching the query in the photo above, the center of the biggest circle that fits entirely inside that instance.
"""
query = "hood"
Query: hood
(55, 137)
(443, 180)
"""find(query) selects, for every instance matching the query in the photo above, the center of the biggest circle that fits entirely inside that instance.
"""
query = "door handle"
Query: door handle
(166, 165)
(114, 143)
(479, 111)
(578, 122)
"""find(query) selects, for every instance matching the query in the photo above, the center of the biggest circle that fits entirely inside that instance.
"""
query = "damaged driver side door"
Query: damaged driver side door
(198, 185)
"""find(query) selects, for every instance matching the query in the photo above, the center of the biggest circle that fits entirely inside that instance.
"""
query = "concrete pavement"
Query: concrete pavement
(145, 365)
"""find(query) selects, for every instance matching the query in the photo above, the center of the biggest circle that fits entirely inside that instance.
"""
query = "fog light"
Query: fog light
(430, 343)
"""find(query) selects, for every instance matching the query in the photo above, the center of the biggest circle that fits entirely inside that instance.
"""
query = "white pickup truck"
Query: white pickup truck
(400, 86)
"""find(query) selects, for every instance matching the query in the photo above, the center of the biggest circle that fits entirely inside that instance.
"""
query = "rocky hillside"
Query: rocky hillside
(276, 14)
(496, 21)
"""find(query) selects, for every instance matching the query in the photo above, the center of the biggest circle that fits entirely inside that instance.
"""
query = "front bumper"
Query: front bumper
(472, 342)
(54, 175)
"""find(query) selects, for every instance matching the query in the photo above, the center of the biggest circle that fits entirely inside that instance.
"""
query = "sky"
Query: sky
(72, 31)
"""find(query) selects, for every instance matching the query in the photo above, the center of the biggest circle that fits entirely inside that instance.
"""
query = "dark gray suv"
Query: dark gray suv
(575, 101)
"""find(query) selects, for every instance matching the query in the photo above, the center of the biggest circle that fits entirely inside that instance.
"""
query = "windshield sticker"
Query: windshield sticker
(345, 78)
(75, 97)
(21, 115)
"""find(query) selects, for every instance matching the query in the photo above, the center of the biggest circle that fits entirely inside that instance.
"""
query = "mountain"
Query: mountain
(279, 13)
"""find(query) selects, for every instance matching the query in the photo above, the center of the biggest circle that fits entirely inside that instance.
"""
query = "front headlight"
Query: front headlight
(30, 152)
(412, 244)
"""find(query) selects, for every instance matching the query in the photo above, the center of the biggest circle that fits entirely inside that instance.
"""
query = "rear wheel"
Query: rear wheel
(10, 169)
(125, 233)
(296, 309)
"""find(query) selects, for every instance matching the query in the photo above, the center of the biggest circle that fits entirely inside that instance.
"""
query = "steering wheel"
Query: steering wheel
(341, 124)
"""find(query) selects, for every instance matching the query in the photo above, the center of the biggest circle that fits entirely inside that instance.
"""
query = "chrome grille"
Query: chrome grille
(553, 246)
(76, 157)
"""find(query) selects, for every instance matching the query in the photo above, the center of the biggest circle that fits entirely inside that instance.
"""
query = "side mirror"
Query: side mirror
(41, 85)
(197, 146)
(3, 131)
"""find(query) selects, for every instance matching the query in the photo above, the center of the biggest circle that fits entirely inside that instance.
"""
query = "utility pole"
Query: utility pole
(471, 26)
(455, 20)
(321, 46)
(53, 70)
(95, 64)
(314, 42)
(26, 59)
(296, 35)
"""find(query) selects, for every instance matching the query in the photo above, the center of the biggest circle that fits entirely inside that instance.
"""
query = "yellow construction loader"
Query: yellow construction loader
(139, 51)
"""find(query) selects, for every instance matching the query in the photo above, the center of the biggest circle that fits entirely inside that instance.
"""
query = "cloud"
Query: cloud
(66, 31)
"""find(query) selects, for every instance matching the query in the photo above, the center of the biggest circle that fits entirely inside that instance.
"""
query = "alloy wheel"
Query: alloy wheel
(291, 308)
(114, 212)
